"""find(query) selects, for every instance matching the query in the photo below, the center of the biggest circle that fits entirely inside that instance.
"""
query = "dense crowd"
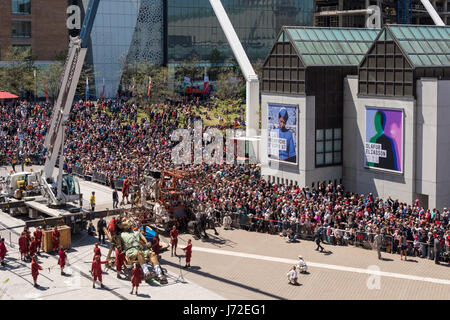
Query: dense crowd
(110, 139)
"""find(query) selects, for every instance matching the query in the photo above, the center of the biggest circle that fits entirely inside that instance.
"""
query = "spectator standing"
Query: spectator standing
(101, 232)
(115, 197)
(378, 243)
(403, 246)
(437, 248)
(92, 201)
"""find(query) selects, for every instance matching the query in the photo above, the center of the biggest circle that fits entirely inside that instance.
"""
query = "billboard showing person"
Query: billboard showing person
(384, 139)
(282, 127)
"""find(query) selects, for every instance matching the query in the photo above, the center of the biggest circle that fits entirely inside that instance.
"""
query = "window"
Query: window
(21, 29)
(328, 147)
(21, 6)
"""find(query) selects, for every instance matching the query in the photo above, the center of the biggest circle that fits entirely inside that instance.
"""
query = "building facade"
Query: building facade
(39, 25)
(170, 31)
(348, 13)
(380, 121)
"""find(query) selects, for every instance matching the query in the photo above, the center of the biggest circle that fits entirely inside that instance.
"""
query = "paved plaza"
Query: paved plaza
(236, 264)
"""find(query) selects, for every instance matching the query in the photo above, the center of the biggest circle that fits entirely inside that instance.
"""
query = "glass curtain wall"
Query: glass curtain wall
(194, 29)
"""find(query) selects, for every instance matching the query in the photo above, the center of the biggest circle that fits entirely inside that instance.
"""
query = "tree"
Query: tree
(18, 76)
(189, 68)
(140, 71)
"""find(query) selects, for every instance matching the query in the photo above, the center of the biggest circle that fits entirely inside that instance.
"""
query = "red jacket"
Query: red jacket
(120, 259)
(23, 244)
(35, 267)
(38, 235)
(112, 225)
(97, 267)
(2, 249)
(62, 258)
(97, 252)
(188, 250)
(33, 247)
(55, 235)
(136, 276)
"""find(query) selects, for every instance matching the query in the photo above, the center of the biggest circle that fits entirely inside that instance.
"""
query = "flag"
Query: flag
(132, 89)
(46, 90)
(102, 93)
(187, 81)
(87, 88)
(206, 84)
(149, 85)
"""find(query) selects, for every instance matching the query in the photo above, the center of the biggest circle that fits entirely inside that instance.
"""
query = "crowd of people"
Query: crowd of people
(109, 138)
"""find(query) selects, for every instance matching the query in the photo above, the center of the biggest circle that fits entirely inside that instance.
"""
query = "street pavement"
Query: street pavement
(236, 264)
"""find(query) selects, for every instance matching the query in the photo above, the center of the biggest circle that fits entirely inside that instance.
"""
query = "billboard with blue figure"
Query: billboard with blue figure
(384, 139)
(282, 128)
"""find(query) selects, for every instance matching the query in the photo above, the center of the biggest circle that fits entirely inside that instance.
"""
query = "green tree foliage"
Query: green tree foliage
(17, 76)
(141, 71)
(189, 68)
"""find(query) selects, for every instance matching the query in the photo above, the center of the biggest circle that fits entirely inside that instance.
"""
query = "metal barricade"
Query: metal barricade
(118, 184)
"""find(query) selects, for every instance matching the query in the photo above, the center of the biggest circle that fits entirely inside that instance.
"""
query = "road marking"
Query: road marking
(325, 266)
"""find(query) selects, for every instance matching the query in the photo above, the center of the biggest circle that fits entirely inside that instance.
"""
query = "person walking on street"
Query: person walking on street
(35, 267)
(96, 271)
(136, 277)
(115, 197)
(97, 251)
(92, 201)
(62, 259)
(378, 243)
(101, 232)
(32, 249)
(23, 246)
(38, 236)
(174, 240)
(318, 238)
(119, 262)
(2, 251)
(188, 252)
(55, 238)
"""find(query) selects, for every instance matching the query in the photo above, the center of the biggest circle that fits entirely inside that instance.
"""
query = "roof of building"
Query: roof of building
(330, 46)
(425, 46)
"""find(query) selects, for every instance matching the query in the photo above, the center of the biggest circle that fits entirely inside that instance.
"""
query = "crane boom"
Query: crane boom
(54, 140)
(434, 15)
(252, 82)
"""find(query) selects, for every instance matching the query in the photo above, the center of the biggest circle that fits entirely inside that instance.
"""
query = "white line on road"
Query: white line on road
(325, 266)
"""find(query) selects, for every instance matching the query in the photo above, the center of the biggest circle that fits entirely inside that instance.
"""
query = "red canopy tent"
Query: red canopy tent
(7, 95)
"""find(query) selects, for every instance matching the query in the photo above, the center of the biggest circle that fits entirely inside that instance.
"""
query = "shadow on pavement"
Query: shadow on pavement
(230, 282)
(41, 288)
(412, 260)
(387, 259)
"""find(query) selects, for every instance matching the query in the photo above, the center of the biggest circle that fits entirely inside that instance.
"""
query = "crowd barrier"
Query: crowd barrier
(340, 237)
(97, 177)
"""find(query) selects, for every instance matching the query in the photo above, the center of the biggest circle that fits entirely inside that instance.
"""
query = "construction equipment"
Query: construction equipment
(66, 188)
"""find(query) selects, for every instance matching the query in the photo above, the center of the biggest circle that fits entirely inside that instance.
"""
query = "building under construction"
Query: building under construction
(353, 14)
